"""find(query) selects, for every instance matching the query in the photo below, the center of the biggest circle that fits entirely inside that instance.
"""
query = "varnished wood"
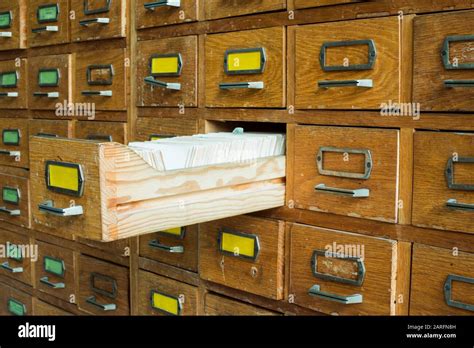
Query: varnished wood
(48, 38)
(299, 4)
(60, 128)
(219, 305)
(19, 26)
(98, 131)
(156, 126)
(23, 186)
(42, 308)
(22, 126)
(28, 274)
(7, 292)
(21, 68)
(222, 8)
(161, 16)
(180, 274)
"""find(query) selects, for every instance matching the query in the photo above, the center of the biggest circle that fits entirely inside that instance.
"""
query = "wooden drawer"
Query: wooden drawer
(13, 82)
(50, 81)
(99, 19)
(155, 14)
(347, 274)
(103, 287)
(15, 200)
(55, 271)
(42, 308)
(21, 252)
(158, 295)
(14, 302)
(443, 191)
(14, 144)
(12, 25)
(117, 201)
(148, 128)
(255, 65)
(167, 72)
(175, 246)
(223, 306)
(244, 253)
(116, 248)
(48, 22)
(298, 4)
(347, 171)
(101, 78)
(224, 8)
(363, 64)
(102, 131)
(442, 282)
(50, 128)
(444, 56)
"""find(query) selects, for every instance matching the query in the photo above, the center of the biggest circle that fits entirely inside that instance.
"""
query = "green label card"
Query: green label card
(48, 13)
(8, 79)
(48, 78)
(11, 136)
(54, 266)
(5, 19)
(16, 307)
(10, 195)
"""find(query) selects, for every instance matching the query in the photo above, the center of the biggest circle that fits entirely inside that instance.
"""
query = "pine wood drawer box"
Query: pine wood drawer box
(443, 186)
(357, 64)
(14, 144)
(15, 199)
(152, 13)
(167, 72)
(159, 295)
(101, 131)
(223, 306)
(101, 191)
(13, 82)
(444, 68)
(99, 19)
(347, 171)
(298, 4)
(55, 271)
(50, 81)
(51, 128)
(48, 22)
(442, 282)
(150, 128)
(42, 308)
(19, 256)
(12, 25)
(102, 79)
(175, 246)
(15, 302)
(246, 69)
(343, 273)
(223, 8)
(103, 287)
(244, 253)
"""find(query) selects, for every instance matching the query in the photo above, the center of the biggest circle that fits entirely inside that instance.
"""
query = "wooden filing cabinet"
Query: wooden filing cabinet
(223, 8)
(224, 306)
(151, 13)
(15, 199)
(14, 142)
(149, 128)
(13, 84)
(13, 25)
(48, 22)
(19, 256)
(14, 301)
(50, 128)
(101, 131)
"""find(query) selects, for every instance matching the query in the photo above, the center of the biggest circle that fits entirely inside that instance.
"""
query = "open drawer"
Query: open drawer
(105, 191)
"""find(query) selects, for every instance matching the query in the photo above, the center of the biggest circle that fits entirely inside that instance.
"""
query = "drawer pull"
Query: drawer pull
(360, 267)
(48, 28)
(15, 212)
(241, 85)
(157, 245)
(45, 280)
(5, 34)
(453, 203)
(372, 55)
(48, 208)
(7, 267)
(346, 83)
(445, 53)
(448, 288)
(52, 95)
(458, 83)
(367, 162)
(87, 22)
(97, 93)
(450, 174)
(151, 81)
(105, 307)
(9, 94)
(357, 193)
(10, 153)
(315, 291)
(171, 3)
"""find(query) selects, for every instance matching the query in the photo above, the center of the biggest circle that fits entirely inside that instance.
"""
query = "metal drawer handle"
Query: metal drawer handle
(242, 85)
(151, 81)
(346, 83)
(162, 3)
(87, 22)
(357, 193)
(52, 95)
(453, 203)
(48, 28)
(315, 291)
(458, 83)
(48, 208)
(97, 93)
(45, 280)
(105, 307)
(6, 266)
(449, 172)
(9, 94)
(171, 249)
(448, 288)
(10, 153)
(5, 34)
(15, 212)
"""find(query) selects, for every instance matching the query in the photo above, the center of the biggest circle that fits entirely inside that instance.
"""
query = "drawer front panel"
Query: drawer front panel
(45, 309)
(19, 254)
(15, 200)
(158, 295)
(12, 25)
(149, 128)
(50, 128)
(13, 82)
(14, 142)
(14, 302)
(177, 247)
(117, 248)
(443, 192)
(48, 22)
(223, 8)
(167, 72)
(102, 131)
(223, 306)
(103, 287)
(244, 253)
(317, 3)
(255, 64)
(347, 171)
(153, 14)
